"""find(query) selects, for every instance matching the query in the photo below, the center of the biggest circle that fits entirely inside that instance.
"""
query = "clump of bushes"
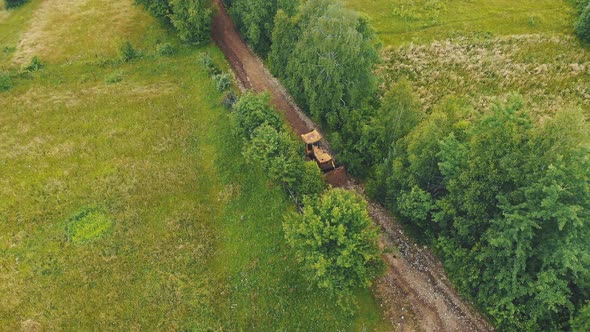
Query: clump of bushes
(336, 241)
(5, 82)
(35, 64)
(209, 64)
(127, 52)
(269, 144)
(113, 78)
(165, 49)
(222, 81)
(333, 237)
(230, 99)
(192, 19)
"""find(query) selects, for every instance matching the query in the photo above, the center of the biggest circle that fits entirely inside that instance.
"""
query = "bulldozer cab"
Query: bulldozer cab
(314, 151)
(311, 139)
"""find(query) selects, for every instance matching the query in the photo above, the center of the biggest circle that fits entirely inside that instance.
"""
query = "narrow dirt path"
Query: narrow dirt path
(415, 293)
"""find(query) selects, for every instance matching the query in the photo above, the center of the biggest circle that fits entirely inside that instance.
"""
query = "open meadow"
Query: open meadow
(483, 51)
(125, 203)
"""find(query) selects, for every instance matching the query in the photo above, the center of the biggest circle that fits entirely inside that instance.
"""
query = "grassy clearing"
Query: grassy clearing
(400, 22)
(551, 72)
(482, 51)
(125, 203)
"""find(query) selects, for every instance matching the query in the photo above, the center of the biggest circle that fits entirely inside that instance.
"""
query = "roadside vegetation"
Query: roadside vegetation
(126, 201)
(477, 137)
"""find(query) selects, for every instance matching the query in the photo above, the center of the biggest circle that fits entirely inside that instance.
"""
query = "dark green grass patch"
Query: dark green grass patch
(87, 224)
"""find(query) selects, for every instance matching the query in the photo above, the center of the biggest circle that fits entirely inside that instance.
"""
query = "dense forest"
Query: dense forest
(501, 194)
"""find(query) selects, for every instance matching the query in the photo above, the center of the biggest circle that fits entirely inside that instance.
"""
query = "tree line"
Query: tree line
(502, 197)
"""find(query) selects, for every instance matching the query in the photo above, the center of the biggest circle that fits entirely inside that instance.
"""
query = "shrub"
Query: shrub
(308, 180)
(35, 64)
(276, 152)
(336, 241)
(14, 3)
(127, 52)
(5, 82)
(210, 65)
(166, 49)
(230, 99)
(222, 81)
(583, 25)
(252, 111)
(192, 19)
(114, 78)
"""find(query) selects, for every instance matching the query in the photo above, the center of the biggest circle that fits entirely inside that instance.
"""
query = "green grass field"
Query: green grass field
(399, 22)
(483, 51)
(125, 203)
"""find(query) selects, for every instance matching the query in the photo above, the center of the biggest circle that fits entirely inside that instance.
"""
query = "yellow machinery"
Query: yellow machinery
(315, 151)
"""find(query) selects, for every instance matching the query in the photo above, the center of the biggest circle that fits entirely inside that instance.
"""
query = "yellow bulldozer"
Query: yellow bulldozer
(315, 151)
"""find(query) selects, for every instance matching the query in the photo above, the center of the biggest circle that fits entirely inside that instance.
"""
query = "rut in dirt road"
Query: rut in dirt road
(415, 293)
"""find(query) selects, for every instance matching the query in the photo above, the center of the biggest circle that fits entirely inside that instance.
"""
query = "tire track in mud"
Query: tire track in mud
(415, 293)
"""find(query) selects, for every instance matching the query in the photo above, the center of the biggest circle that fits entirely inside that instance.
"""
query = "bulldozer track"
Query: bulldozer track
(415, 293)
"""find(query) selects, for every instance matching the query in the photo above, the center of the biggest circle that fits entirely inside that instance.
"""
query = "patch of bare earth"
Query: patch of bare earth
(414, 294)
(71, 29)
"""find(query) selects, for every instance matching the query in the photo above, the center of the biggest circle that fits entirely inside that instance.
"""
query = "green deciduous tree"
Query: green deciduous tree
(336, 241)
(255, 18)
(276, 152)
(332, 62)
(325, 55)
(192, 19)
(252, 111)
(284, 36)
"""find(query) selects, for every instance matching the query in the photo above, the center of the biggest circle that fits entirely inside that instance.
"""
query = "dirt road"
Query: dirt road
(415, 293)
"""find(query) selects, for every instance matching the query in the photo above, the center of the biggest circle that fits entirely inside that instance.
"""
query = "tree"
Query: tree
(192, 19)
(400, 112)
(252, 111)
(581, 322)
(276, 152)
(336, 241)
(583, 25)
(331, 64)
(284, 36)
(254, 19)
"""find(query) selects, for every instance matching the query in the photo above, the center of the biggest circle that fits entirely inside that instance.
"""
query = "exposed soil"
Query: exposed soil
(415, 293)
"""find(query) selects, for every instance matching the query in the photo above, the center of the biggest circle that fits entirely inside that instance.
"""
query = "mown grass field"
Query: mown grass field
(125, 203)
(483, 51)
